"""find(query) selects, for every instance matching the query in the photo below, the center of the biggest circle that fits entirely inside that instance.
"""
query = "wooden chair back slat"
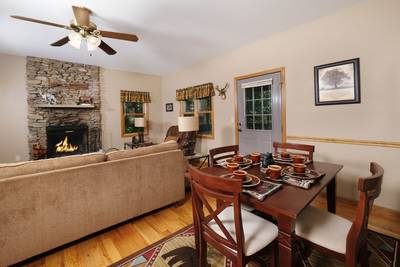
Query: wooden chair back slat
(227, 193)
(220, 153)
(310, 149)
(370, 188)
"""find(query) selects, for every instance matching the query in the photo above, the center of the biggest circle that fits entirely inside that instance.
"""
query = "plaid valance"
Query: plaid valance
(198, 91)
(134, 96)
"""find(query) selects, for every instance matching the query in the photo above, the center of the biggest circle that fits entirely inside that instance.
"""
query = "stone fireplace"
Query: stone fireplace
(68, 83)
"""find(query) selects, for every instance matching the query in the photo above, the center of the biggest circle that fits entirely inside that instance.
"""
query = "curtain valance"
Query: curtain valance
(135, 96)
(195, 92)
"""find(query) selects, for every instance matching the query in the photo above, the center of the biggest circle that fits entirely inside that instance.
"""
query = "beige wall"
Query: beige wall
(13, 109)
(370, 31)
(112, 82)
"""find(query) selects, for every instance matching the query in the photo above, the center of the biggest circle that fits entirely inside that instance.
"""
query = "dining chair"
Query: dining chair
(220, 153)
(337, 236)
(236, 233)
(300, 147)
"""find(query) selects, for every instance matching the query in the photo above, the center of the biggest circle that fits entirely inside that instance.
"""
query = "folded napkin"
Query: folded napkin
(263, 190)
(306, 184)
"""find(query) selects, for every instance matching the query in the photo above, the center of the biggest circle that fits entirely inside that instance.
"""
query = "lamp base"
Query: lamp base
(189, 143)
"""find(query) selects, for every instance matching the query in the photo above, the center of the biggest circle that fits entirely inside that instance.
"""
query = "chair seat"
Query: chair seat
(323, 228)
(258, 233)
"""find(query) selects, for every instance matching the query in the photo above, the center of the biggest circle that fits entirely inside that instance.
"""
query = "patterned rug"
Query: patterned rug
(178, 249)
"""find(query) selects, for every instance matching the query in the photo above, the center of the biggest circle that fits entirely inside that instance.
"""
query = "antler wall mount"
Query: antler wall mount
(222, 91)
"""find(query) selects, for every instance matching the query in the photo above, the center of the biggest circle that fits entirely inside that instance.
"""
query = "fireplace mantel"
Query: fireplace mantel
(64, 106)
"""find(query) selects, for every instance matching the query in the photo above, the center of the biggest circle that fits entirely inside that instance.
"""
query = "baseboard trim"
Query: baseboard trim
(345, 141)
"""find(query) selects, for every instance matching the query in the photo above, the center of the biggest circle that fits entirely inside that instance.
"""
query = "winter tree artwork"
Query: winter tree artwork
(337, 83)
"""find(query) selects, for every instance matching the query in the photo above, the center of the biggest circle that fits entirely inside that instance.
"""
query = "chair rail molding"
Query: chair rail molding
(360, 142)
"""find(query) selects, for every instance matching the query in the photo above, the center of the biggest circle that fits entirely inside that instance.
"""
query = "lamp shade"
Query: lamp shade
(188, 124)
(92, 42)
(139, 122)
(75, 39)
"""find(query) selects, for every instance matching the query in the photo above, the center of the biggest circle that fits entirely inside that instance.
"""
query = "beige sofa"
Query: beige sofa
(48, 203)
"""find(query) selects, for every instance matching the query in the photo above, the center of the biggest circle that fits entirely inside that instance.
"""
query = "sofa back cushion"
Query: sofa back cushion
(37, 166)
(123, 154)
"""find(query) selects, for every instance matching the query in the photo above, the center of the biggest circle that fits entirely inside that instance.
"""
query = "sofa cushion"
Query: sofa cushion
(37, 166)
(123, 154)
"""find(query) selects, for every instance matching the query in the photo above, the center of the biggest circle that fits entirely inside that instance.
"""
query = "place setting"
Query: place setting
(287, 158)
(296, 174)
(241, 162)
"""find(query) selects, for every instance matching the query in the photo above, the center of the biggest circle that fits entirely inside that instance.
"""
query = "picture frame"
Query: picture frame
(169, 107)
(337, 83)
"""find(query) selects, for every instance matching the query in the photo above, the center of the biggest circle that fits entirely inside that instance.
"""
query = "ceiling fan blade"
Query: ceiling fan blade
(82, 15)
(61, 42)
(106, 48)
(120, 35)
(41, 22)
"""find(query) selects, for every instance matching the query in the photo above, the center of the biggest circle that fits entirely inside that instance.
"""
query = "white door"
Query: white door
(259, 113)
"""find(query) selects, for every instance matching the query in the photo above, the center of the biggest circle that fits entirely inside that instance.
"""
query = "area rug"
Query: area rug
(178, 250)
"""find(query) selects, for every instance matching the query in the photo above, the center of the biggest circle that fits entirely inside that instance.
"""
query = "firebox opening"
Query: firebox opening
(66, 140)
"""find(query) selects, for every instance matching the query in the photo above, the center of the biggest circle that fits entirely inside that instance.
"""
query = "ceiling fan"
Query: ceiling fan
(83, 29)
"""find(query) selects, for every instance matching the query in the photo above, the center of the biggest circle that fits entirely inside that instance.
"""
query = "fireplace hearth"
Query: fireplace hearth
(66, 140)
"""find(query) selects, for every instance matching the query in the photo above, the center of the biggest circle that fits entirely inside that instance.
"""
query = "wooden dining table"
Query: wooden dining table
(286, 204)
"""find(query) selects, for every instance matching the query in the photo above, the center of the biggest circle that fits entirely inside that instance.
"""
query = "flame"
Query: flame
(64, 146)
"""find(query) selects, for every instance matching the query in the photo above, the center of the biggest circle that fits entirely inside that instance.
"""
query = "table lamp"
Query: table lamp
(188, 126)
(140, 123)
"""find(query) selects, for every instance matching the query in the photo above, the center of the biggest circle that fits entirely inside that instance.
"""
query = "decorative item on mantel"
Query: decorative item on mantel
(85, 100)
(222, 91)
(48, 98)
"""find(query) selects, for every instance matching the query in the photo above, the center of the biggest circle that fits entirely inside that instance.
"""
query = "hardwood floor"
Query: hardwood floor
(117, 243)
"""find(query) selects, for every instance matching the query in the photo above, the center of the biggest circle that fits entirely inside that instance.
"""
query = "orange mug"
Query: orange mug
(298, 159)
(232, 166)
(239, 174)
(255, 157)
(299, 168)
(274, 171)
(238, 158)
(285, 155)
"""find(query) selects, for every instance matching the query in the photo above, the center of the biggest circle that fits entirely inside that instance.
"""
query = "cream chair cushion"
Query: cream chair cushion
(258, 233)
(323, 228)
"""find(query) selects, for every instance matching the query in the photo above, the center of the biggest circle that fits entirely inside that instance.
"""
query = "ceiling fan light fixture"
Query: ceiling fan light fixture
(75, 40)
(92, 42)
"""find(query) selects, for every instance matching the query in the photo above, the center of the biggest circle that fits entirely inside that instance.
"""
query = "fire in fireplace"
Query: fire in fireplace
(65, 146)
(66, 140)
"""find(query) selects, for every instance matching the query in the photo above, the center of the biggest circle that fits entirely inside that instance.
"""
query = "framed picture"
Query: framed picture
(337, 83)
(169, 107)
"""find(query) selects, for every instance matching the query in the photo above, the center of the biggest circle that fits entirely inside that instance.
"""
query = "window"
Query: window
(130, 111)
(203, 108)
(258, 108)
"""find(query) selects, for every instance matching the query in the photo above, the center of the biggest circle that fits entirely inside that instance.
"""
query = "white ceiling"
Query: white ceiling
(172, 33)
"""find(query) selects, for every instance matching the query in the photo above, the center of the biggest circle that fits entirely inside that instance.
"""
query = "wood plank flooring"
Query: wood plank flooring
(117, 243)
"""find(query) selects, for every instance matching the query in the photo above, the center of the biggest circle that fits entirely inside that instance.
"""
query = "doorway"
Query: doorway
(260, 111)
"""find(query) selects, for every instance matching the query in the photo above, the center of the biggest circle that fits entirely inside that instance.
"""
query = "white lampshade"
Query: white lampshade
(188, 124)
(92, 42)
(139, 122)
(75, 39)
